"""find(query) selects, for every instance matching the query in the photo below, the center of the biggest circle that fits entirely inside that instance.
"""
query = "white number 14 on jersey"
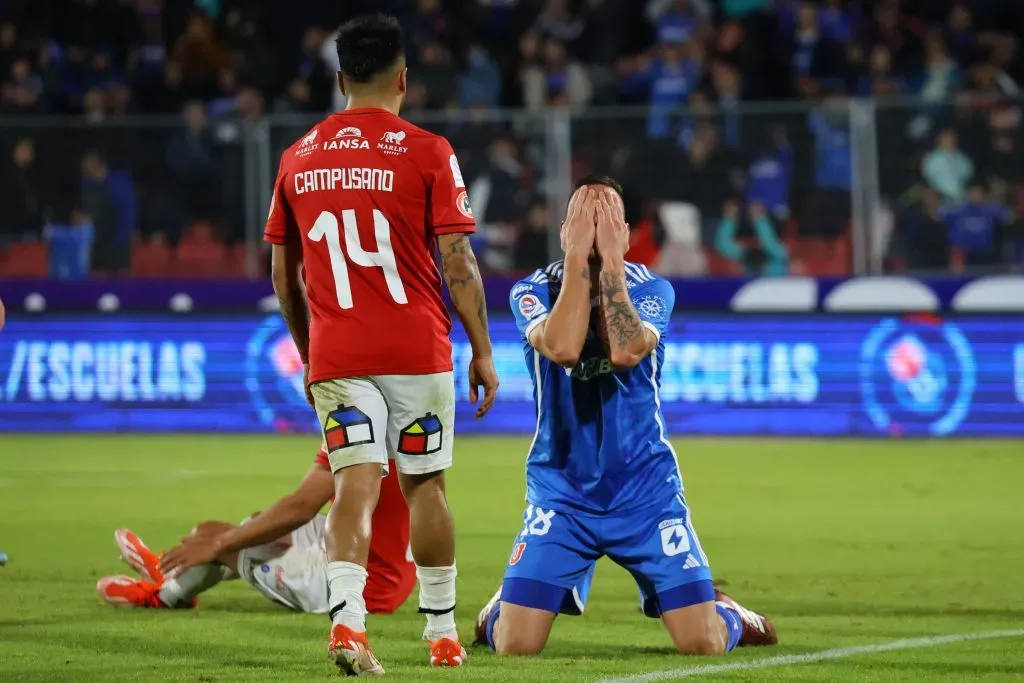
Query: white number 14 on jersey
(326, 228)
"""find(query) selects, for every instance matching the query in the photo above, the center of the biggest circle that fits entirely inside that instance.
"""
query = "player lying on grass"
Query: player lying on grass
(601, 476)
(279, 551)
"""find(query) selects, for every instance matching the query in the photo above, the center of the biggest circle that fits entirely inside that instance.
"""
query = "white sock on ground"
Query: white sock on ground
(437, 594)
(345, 584)
(183, 588)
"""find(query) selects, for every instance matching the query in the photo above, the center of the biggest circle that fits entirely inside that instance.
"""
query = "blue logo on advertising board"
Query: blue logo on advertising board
(917, 375)
(274, 378)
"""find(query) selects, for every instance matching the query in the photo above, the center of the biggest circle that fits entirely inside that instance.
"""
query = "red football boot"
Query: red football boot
(757, 628)
(351, 653)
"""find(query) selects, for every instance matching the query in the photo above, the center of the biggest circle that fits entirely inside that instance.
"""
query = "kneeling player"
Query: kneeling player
(602, 478)
(279, 551)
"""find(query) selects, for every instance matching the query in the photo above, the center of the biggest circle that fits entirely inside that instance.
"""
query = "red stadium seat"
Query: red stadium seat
(152, 259)
(201, 259)
(27, 260)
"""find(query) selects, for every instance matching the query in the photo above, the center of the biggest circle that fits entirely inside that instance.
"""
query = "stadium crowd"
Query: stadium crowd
(738, 160)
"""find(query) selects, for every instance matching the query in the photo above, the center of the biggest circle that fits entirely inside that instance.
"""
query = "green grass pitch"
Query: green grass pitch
(842, 543)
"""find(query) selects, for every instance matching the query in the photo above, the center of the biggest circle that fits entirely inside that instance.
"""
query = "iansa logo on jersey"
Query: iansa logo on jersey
(462, 202)
(308, 144)
(347, 138)
(391, 143)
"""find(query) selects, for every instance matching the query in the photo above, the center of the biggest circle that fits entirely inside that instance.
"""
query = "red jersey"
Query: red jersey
(391, 574)
(366, 194)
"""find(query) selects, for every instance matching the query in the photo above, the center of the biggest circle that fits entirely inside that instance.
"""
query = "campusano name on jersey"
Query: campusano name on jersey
(321, 179)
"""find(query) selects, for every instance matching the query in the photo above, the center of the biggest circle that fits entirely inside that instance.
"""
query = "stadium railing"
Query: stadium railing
(829, 188)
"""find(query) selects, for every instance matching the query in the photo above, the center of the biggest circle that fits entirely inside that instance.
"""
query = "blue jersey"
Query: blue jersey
(600, 444)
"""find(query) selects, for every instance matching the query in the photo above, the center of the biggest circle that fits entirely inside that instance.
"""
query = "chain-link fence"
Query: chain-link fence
(830, 188)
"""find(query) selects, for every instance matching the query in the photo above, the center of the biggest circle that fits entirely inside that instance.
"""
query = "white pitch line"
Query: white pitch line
(811, 657)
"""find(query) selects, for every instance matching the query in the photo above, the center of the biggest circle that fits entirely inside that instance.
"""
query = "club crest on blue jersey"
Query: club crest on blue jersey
(345, 427)
(422, 437)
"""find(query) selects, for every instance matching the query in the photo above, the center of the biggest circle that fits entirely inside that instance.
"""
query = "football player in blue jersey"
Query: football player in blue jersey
(601, 475)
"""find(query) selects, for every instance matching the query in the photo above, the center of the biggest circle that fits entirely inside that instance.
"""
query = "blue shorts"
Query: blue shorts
(553, 558)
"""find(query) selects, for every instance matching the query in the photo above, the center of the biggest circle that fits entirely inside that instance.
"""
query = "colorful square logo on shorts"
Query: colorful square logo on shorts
(347, 426)
(421, 437)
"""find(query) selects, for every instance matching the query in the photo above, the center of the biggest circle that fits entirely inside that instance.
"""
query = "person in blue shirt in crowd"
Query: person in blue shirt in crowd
(669, 79)
(601, 475)
(975, 231)
(833, 165)
(70, 238)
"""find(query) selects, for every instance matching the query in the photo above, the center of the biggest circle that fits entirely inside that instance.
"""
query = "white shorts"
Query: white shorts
(291, 574)
(370, 419)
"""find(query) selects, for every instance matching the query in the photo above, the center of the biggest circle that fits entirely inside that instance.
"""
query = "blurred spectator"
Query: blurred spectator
(319, 76)
(759, 254)
(22, 91)
(923, 239)
(108, 199)
(947, 169)
(880, 80)
(225, 100)
(941, 76)
(556, 81)
(975, 231)
(200, 55)
(21, 193)
(295, 99)
(960, 36)
(70, 241)
(532, 247)
(743, 8)
(1001, 150)
(480, 83)
(727, 85)
(191, 156)
(836, 22)
(813, 55)
(430, 23)
(677, 21)
(557, 22)
(436, 72)
(833, 172)
(770, 176)
(667, 80)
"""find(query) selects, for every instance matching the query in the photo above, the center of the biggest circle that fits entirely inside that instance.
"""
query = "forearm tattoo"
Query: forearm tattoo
(464, 284)
(621, 319)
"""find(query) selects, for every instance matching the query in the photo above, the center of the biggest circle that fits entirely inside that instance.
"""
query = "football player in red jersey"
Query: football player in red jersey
(362, 201)
(279, 551)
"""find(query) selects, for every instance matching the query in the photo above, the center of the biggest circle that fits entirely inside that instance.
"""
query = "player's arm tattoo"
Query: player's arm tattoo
(621, 319)
(465, 286)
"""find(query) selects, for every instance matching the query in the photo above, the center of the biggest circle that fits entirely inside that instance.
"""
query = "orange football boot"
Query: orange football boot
(351, 653)
(137, 556)
(125, 591)
(447, 652)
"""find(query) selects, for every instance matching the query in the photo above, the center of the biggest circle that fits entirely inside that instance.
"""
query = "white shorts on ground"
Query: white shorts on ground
(409, 418)
(291, 575)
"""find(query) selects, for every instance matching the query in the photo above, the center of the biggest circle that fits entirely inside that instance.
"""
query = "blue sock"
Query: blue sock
(492, 620)
(732, 622)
